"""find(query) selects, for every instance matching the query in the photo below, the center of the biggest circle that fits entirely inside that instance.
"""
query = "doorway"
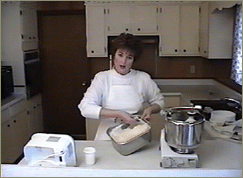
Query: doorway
(66, 71)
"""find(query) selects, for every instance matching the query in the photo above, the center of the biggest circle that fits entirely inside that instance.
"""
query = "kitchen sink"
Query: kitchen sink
(218, 105)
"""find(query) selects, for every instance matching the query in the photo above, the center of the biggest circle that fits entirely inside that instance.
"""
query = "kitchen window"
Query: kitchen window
(236, 72)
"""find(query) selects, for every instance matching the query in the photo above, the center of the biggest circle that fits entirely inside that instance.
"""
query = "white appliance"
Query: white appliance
(172, 159)
(50, 150)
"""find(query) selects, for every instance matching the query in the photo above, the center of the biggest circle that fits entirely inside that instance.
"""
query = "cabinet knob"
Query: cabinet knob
(14, 121)
(126, 29)
(92, 51)
(184, 50)
(8, 125)
(176, 50)
(139, 29)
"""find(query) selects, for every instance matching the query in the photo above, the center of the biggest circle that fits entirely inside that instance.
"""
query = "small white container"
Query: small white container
(221, 117)
(89, 155)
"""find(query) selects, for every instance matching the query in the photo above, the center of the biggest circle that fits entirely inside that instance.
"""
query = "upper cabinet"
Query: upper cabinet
(144, 19)
(131, 19)
(117, 20)
(169, 32)
(95, 31)
(178, 29)
(216, 29)
(200, 28)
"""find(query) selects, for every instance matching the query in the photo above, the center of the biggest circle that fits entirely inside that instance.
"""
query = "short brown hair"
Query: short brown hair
(128, 42)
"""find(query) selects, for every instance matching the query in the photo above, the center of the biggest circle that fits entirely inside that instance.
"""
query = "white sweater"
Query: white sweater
(96, 95)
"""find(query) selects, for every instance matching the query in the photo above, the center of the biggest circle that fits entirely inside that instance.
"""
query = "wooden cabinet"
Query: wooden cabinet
(117, 20)
(135, 19)
(36, 114)
(179, 30)
(189, 30)
(29, 32)
(216, 31)
(144, 19)
(169, 32)
(19, 24)
(19, 121)
(95, 31)
(14, 131)
(177, 25)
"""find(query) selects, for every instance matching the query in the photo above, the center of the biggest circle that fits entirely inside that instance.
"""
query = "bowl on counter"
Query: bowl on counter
(127, 140)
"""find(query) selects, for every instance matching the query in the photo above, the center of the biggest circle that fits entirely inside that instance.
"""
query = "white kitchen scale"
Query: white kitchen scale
(172, 159)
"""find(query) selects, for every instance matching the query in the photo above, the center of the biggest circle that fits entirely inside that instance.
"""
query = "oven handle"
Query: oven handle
(31, 61)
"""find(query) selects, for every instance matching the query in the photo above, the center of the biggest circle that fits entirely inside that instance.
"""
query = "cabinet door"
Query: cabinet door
(29, 24)
(169, 25)
(96, 39)
(7, 154)
(189, 30)
(117, 20)
(144, 19)
(203, 30)
(36, 115)
(20, 132)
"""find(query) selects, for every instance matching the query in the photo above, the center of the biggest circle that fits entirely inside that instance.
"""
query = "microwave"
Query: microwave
(7, 85)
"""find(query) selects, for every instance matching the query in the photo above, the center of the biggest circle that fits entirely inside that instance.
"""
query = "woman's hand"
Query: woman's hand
(122, 115)
(155, 108)
(147, 113)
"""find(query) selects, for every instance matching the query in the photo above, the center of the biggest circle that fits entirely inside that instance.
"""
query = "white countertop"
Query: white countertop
(217, 158)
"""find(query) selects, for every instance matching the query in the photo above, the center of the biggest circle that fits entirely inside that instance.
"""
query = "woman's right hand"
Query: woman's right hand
(126, 117)
(122, 115)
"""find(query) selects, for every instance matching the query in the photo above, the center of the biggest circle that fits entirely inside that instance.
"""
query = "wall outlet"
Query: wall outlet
(192, 69)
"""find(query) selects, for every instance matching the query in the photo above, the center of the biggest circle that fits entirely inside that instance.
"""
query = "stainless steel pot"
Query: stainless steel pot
(183, 128)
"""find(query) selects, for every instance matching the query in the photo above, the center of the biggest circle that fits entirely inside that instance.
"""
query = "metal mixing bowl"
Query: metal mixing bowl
(132, 145)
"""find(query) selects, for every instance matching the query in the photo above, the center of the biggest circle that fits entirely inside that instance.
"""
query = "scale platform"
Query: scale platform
(172, 159)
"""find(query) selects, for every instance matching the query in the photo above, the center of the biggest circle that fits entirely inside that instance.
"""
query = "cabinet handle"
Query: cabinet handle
(205, 52)
(184, 50)
(92, 51)
(8, 125)
(14, 121)
(28, 112)
(139, 29)
(126, 29)
(34, 107)
(160, 9)
(176, 50)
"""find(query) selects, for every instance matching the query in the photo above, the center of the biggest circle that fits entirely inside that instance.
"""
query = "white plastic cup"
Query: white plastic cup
(89, 155)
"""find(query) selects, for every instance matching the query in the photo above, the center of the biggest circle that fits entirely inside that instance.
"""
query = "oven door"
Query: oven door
(33, 73)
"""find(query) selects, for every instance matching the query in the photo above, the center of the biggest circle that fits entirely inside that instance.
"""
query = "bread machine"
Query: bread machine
(50, 150)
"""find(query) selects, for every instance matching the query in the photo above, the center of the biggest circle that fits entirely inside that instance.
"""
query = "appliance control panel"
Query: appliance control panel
(177, 162)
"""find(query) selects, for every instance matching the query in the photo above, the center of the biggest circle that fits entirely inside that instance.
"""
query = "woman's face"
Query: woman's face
(123, 61)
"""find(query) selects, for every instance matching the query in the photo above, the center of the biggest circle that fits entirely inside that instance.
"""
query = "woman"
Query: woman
(122, 91)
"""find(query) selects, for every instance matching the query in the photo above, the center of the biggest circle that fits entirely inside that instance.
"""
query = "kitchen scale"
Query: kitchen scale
(172, 159)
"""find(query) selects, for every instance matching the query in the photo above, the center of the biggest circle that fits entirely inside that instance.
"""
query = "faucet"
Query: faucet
(237, 104)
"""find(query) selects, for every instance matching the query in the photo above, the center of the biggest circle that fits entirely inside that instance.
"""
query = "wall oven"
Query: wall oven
(33, 73)
(7, 86)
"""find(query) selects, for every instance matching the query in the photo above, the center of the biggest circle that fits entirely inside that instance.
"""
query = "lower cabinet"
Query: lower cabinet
(19, 122)
(14, 132)
(36, 115)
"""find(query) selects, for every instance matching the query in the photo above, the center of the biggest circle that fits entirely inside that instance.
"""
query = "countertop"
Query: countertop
(217, 158)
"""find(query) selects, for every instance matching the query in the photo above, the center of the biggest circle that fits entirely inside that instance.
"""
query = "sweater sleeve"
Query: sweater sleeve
(90, 105)
(153, 93)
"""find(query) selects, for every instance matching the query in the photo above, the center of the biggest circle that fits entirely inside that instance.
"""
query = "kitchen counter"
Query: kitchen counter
(197, 89)
(217, 158)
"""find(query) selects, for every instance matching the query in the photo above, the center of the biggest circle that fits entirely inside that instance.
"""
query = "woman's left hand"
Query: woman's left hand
(147, 113)
(155, 108)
